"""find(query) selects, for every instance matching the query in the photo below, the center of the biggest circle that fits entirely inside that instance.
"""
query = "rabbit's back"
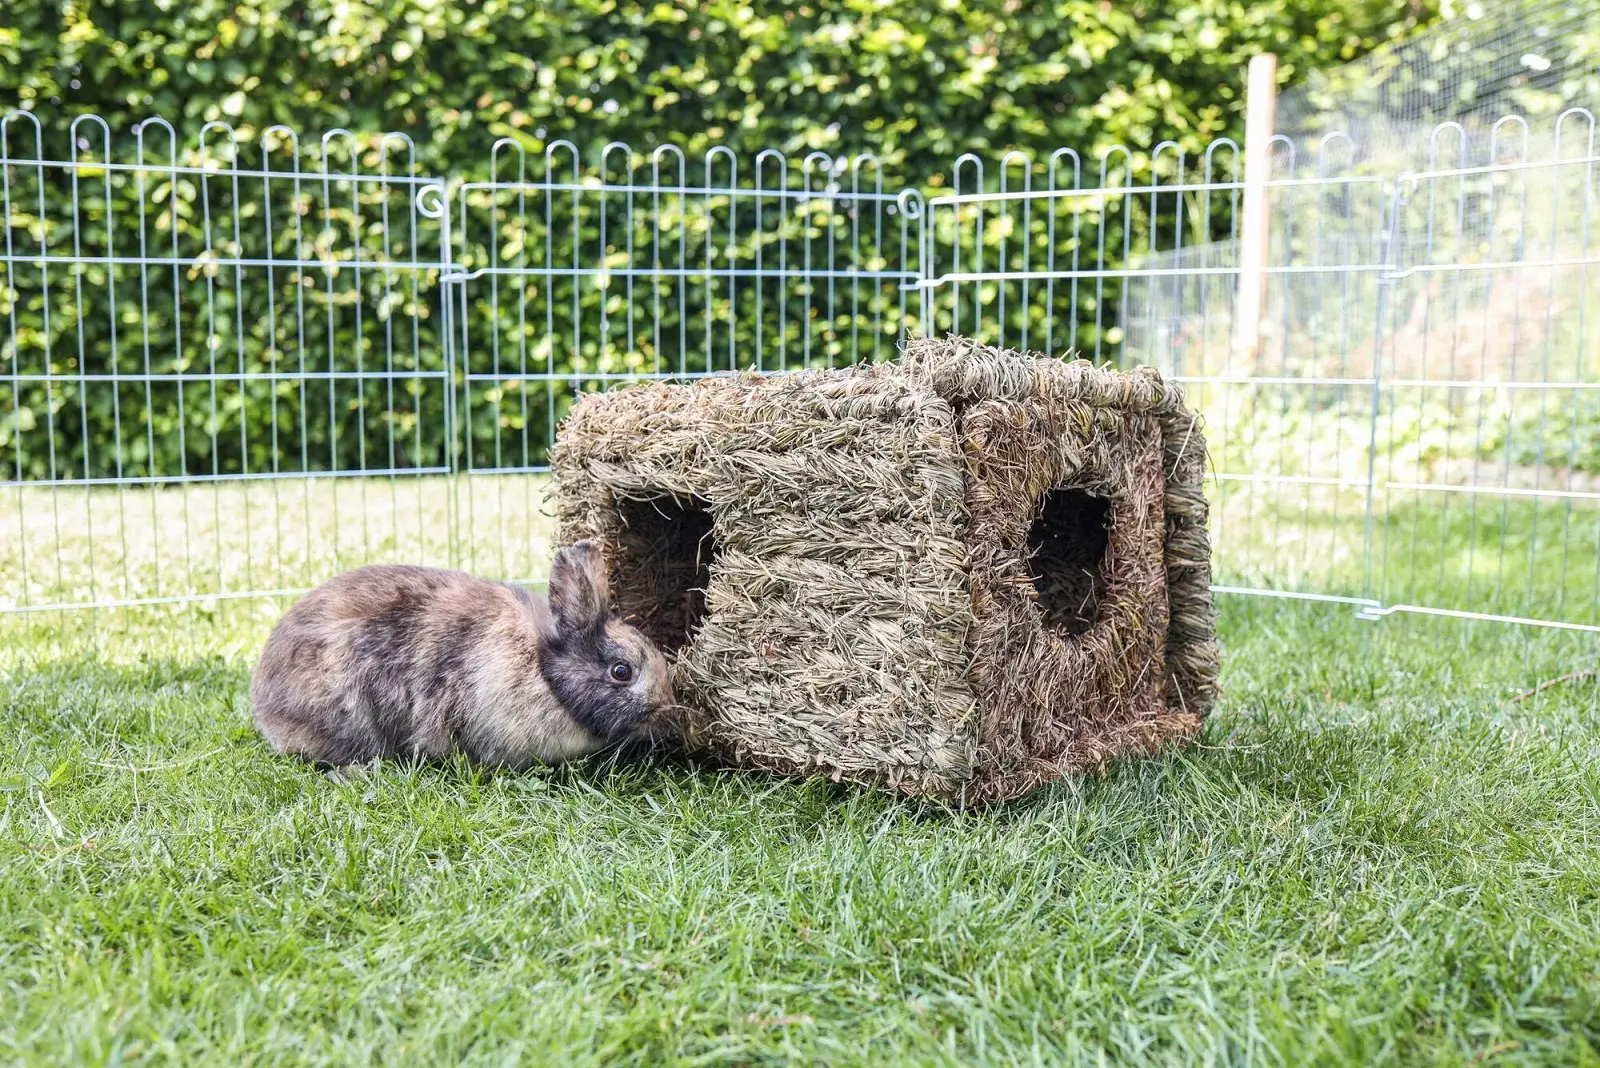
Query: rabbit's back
(394, 660)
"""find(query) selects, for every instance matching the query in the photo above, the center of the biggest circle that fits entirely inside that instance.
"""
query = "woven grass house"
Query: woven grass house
(958, 576)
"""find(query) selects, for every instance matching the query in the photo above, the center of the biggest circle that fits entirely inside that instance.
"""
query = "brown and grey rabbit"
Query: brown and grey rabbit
(393, 661)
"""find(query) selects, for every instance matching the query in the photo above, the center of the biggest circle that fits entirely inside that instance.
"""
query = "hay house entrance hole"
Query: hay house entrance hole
(668, 549)
(1066, 557)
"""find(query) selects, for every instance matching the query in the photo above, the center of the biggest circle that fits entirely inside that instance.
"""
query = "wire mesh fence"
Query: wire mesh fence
(189, 325)
(231, 369)
(1478, 63)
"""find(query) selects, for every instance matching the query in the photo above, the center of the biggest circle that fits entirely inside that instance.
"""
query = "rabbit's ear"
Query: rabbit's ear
(580, 596)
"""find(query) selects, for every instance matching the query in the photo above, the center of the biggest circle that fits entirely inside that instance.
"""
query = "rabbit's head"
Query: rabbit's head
(607, 675)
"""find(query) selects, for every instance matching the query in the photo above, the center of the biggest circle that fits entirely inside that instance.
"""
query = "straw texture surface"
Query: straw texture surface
(957, 576)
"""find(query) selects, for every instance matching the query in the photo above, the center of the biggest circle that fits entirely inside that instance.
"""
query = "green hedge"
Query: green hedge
(915, 84)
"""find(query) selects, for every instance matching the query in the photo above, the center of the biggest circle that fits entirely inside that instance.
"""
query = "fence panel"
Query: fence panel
(578, 275)
(222, 365)
(1136, 261)
(1485, 487)
(230, 369)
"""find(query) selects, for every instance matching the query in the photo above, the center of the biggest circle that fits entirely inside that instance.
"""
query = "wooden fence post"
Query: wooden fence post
(1255, 234)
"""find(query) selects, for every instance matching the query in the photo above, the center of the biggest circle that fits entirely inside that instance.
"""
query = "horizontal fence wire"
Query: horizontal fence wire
(234, 366)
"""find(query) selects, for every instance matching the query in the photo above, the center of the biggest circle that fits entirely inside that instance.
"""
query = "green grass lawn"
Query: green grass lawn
(1373, 855)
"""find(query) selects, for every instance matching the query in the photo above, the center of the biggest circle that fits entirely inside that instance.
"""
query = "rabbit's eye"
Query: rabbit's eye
(621, 672)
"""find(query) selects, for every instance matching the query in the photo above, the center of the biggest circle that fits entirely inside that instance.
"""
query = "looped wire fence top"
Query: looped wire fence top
(232, 366)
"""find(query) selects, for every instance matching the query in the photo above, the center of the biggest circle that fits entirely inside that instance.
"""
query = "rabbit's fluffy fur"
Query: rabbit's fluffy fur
(409, 661)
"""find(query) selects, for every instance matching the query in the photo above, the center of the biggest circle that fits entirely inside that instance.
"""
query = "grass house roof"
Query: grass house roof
(959, 576)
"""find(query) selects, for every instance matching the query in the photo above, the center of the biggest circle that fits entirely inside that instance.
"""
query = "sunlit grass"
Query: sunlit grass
(1375, 854)
(1378, 852)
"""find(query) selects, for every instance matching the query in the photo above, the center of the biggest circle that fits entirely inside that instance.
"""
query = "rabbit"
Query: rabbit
(395, 661)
